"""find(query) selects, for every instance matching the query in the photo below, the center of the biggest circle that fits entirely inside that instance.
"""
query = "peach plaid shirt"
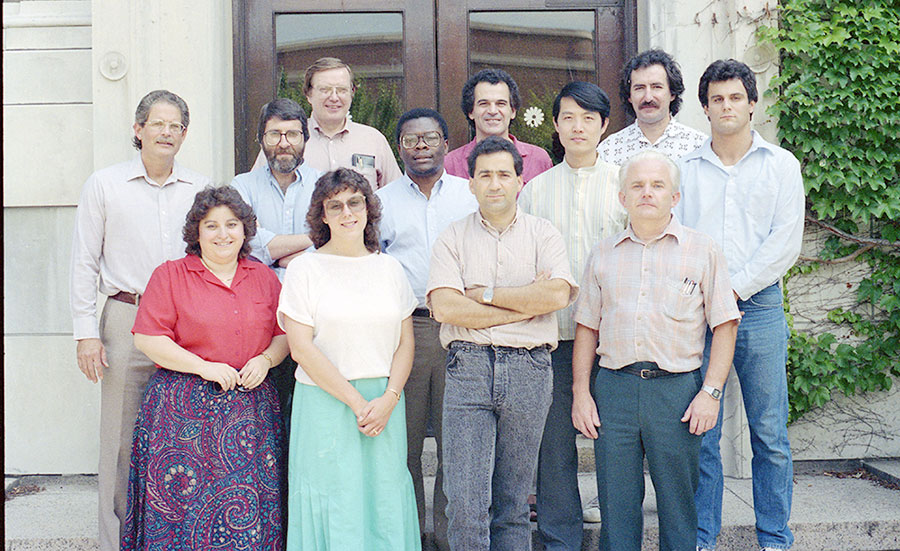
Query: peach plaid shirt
(652, 301)
(472, 253)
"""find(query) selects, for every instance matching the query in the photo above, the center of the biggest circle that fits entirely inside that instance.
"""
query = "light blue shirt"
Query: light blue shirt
(410, 222)
(754, 210)
(278, 213)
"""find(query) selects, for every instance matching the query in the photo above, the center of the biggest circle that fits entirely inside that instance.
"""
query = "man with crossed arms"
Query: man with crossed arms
(496, 277)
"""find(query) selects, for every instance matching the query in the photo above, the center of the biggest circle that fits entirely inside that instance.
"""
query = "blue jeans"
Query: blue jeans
(495, 403)
(560, 522)
(759, 361)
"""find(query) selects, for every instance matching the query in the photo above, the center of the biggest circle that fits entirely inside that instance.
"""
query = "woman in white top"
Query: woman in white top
(346, 310)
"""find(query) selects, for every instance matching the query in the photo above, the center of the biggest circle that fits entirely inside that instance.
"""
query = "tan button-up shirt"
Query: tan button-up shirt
(327, 154)
(652, 301)
(472, 253)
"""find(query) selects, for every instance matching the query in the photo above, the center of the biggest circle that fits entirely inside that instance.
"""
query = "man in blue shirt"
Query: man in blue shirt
(748, 195)
(417, 207)
(279, 194)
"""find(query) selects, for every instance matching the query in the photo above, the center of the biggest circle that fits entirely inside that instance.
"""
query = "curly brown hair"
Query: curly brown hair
(329, 185)
(208, 199)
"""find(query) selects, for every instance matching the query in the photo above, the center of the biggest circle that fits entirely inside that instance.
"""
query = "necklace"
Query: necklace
(225, 280)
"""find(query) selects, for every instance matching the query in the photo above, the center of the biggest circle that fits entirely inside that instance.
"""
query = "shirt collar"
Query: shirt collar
(436, 190)
(138, 170)
(592, 168)
(298, 176)
(193, 264)
(491, 229)
(673, 228)
(706, 152)
(314, 125)
(471, 145)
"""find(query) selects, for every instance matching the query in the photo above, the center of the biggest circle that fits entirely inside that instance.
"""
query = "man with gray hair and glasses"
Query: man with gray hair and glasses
(129, 220)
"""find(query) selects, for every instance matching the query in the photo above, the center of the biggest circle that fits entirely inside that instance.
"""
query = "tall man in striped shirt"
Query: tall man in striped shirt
(649, 294)
(580, 197)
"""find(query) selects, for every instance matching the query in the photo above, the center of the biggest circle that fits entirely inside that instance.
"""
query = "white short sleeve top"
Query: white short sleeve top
(355, 306)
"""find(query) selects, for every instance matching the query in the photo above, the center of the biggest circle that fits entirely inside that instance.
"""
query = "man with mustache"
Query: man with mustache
(651, 89)
(490, 99)
(416, 208)
(279, 193)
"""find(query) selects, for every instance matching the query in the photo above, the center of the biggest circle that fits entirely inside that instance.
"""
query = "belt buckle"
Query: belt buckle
(645, 373)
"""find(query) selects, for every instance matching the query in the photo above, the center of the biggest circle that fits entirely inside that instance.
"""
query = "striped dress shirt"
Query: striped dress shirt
(651, 302)
(583, 204)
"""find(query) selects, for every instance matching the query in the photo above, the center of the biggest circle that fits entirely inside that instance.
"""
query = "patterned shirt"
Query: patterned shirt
(676, 141)
(583, 204)
(652, 301)
(472, 253)
(534, 159)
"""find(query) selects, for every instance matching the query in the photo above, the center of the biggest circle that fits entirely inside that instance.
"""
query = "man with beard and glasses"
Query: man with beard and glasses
(651, 89)
(279, 194)
(416, 208)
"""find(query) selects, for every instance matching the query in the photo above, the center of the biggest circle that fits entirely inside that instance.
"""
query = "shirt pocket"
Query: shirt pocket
(683, 300)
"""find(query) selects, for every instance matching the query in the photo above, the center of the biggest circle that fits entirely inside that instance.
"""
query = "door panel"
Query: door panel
(424, 50)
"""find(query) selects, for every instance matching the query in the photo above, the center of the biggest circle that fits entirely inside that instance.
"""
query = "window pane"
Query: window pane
(542, 51)
(370, 43)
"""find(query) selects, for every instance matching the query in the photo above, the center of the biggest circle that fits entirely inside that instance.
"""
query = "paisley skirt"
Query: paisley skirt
(207, 467)
(348, 491)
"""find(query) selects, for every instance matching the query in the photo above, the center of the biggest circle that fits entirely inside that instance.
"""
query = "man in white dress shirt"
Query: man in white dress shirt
(747, 194)
(129, 220)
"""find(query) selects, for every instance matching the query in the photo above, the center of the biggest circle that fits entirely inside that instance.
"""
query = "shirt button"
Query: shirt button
(235, 311)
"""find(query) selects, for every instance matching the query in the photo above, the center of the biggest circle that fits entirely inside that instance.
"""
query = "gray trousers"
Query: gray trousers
(121, 396)
(425, 398)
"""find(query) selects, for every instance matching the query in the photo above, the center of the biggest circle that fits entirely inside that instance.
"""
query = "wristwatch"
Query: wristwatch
(488, 295)
(712, 391)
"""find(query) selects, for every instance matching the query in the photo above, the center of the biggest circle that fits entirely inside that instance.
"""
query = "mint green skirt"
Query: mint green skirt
(348, 491)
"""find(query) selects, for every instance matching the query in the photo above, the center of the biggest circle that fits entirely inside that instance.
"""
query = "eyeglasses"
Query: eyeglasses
(157, 125)
(432, 139)
(273, 137)
(341, 91)
(356, 203)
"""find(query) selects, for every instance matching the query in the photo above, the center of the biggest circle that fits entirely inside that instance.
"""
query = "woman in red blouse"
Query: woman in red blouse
(207, 463)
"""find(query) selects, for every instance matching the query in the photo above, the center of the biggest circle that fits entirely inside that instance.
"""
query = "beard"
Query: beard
(284, 165)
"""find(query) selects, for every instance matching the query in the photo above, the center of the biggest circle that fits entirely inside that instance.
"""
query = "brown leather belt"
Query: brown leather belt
(127, 298)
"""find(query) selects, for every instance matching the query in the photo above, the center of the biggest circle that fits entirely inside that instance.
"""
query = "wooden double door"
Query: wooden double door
(418, 53)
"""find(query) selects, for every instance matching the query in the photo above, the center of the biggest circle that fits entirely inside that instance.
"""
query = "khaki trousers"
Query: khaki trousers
(121, 396)
(425, 398)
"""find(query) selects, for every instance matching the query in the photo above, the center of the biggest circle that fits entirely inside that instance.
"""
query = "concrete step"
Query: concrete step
(829, 512)
(585, 448)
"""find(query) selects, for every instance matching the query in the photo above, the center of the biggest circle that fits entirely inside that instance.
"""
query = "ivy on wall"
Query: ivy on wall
(838, 107)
